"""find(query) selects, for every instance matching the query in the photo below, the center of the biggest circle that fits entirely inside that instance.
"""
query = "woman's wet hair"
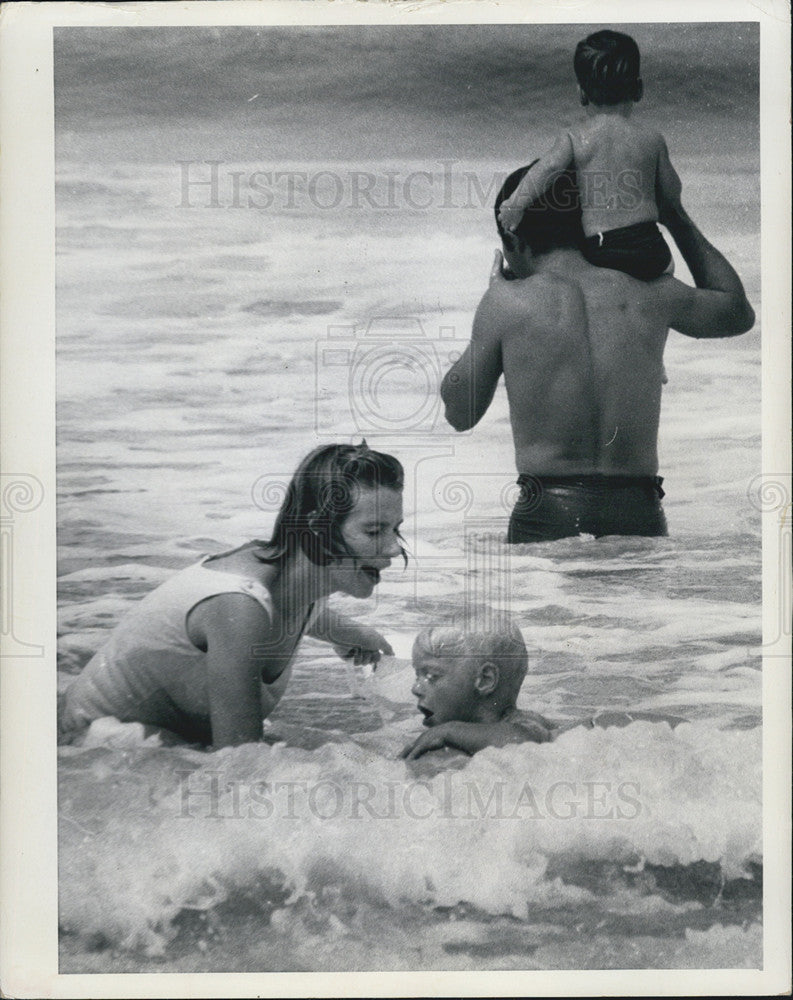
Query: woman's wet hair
(552, 221)
(607, 67)
(323, 491)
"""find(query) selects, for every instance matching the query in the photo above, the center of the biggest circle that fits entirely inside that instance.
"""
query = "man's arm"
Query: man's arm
(667, 181)
(718, 306)
(470, 384)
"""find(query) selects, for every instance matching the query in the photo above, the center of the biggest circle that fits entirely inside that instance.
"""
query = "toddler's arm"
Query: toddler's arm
(536, 181)
(470, 737)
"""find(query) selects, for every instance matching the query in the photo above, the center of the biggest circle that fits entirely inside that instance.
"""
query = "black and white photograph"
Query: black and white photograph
(413, 465)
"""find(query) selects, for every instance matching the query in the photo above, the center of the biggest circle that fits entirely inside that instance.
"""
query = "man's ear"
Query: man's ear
(638, 91)
(487, 678)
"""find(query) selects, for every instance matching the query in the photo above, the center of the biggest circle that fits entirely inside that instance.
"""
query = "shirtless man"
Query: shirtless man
(581, 349)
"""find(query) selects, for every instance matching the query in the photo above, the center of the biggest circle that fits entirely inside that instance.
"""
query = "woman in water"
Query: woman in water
(208, 654)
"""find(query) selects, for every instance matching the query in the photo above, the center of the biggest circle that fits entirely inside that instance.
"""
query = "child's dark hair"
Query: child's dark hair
(321, 494)
(552, 221)
(607, 67)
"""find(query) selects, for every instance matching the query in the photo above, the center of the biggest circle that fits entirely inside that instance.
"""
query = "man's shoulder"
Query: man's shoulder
(527, 300)
(521, 290)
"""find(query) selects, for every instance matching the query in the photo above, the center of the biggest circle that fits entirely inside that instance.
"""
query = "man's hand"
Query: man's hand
(367, 646)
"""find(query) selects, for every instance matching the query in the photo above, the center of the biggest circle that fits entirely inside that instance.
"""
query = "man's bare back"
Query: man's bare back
(581, 350)
(582, 353)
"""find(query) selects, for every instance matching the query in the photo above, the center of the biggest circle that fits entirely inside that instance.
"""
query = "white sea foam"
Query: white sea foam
(163, 841)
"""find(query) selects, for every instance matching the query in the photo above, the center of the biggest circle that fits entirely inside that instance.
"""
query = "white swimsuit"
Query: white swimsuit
(149, 671)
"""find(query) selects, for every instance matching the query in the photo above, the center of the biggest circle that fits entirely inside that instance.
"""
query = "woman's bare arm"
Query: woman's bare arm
(235, 630)
(361, 643)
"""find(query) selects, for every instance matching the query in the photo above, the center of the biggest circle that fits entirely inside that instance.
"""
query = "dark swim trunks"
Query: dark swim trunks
(551, 507)
(639, 251)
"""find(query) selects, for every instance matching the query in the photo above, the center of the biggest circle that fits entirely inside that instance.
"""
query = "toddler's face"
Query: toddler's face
(444, 688)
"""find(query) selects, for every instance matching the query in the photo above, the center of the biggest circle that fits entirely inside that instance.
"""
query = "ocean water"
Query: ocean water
(203, 348)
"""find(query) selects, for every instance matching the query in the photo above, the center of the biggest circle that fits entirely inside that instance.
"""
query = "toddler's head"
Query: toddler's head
(470, 674)
(607, 68)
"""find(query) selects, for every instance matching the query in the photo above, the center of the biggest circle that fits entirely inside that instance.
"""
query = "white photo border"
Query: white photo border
(28, 876)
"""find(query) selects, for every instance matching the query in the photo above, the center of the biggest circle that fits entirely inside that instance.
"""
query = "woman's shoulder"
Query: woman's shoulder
(231, 573)
(242, 559)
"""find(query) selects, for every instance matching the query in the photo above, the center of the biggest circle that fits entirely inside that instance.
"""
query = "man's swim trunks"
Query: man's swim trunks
(639, 250)
(551, 507)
